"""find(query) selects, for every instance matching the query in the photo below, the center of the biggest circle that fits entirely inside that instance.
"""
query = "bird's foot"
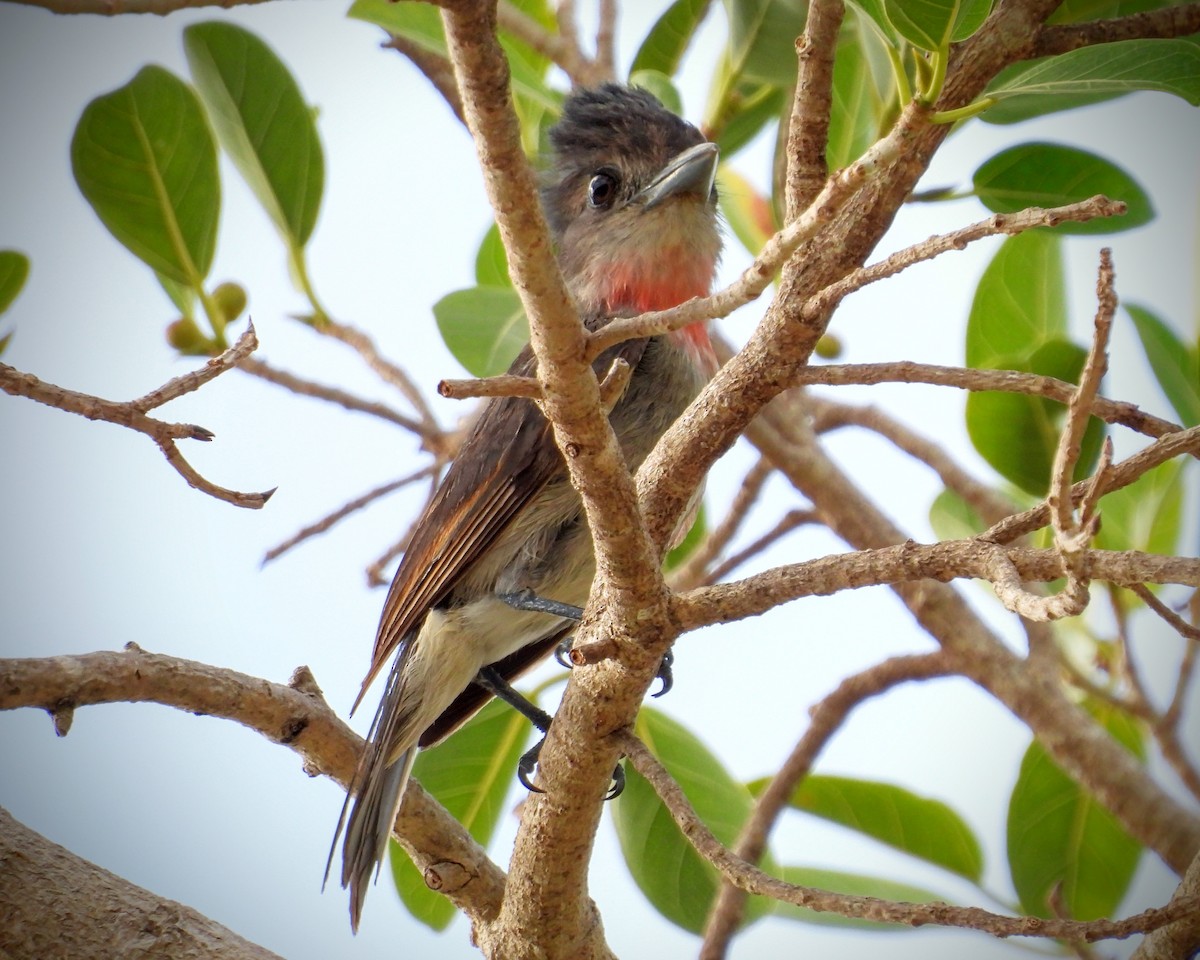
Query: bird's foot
(528, 764)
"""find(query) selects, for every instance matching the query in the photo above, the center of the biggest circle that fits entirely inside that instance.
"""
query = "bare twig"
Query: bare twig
(827, 716)
(963, 378)
(132, 414)
(981, 498)
(790, 521)
(1171, 21)
(757, 277)
(606, 32)
(1177, 623)
(437, 70)
(331, 519)
(343, 398)
(503, 385)
(910, 562)
(115, 7)
(749, 878)
(692, 572)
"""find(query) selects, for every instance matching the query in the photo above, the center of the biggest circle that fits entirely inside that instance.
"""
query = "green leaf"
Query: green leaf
(1020, 302)
(952, 519)
(183, 296)
(1048, 175)
(1147, 515)
(1175, 365)
(919, 826)
(491, 262)
(421, 23)
(470, 774)
(14, 271)
(1018, 434)
(1093, 73)
(484, 327)
(660, 85)
(923, 23)
(1062, 843)
(762, 38)
(674, 878)
(863, 90)
(668, 39)
(145, 160)
(747, 211)
(856, 884)
(749, 108)
(969, 18)
(262, 121)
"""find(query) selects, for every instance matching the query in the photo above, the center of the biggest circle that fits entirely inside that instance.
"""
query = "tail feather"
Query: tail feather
(374, 796)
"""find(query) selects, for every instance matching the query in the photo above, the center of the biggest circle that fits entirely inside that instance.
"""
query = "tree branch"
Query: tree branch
(827, 716)
(749, 878)
(294, 715)
(132, 413)
(1171, 21)
(52, 901)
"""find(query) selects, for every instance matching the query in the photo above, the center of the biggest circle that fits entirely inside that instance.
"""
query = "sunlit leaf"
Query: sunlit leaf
(484, 327)
(470, 774)
(863, 90)
(145, 159)
(14, 271)
(491, 262)
(1062, 843)
(855, 884)
(923, 23)
(1176, 366)
(1018, 434)
(668, 39)
(262, 121)
(1092, 73)
(1049, 175)
(762, 38)
(952, 518)
(1020, 302)
(675, 879)
(1146, 515)
(660, 85)
(747, 212)
(919, 826)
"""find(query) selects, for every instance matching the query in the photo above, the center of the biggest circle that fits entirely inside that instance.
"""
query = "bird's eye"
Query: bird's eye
(602, 189)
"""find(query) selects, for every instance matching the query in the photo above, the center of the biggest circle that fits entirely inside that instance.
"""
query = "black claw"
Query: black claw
(562, 653)
(618, 783)
(665, 674)
(527, 764)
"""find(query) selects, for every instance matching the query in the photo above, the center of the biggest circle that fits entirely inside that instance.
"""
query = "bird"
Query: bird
(630, 199)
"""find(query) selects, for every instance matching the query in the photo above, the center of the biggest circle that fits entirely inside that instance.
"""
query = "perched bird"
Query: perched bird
(630, 199)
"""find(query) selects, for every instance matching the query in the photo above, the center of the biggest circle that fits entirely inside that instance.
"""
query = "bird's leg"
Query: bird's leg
(528, 600)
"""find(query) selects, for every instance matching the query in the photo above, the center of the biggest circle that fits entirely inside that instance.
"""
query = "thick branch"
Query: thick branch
(57, 905)
(294, 715)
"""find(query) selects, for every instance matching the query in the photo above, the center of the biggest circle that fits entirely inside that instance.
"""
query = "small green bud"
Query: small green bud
(186, 337)
(829, 347)
(230, 299)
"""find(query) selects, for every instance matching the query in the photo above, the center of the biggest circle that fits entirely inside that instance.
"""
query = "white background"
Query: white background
(102, 543)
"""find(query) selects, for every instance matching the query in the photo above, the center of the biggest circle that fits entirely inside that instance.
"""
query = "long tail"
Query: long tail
(374, 797)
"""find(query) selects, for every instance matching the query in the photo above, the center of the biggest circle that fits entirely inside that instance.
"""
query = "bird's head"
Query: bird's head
(632, 202)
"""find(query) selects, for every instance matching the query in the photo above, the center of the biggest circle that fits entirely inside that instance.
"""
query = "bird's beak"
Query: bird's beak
(691, 172)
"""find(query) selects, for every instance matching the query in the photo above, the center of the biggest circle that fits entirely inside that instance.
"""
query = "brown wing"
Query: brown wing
(479, 497)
